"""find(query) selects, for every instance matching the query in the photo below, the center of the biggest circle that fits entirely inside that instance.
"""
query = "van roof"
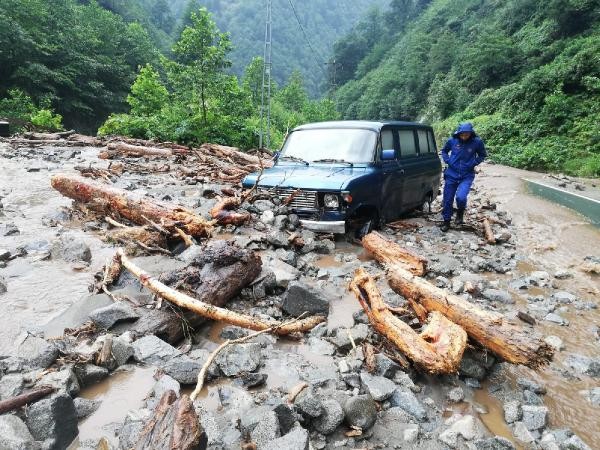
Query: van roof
(365, 124)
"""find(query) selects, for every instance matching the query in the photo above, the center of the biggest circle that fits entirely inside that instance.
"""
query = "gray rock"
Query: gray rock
(8, 229)
(88, 374)
(360, 411)
(287, 256)
(183, 369)
(594, 396)
(521, 432)
(583, 364)
(296, 439)
(555, 341)
(564, 297)
(267, 217)
(263, 205)
(109, 315)
(535, 417)
(85, 407)
(341, 340)
(531, 398)
(494, 443)
(385, 367)
(332, 417)
(406, 400)
(455, 395)
(574, 443)
(53, 418)
(190, 253)
(34, 352)
(132, 426)
(122, 351)
(65, 381)
(302, 298)
(14, 434)
(284, 273)
(266, 430)
(380, 388)
(471, 368)
(464, 427)
(320, 346)
(71, 249)
(308, 403)
(531, 385)
(153, 350)
(555, 318)
(512, 411)
(286, 416)
(239, 358)
(4, 254)
(11, 385)
(281, 222)
(278, 239)
(3, 285)
(497, 295)
(163, 384)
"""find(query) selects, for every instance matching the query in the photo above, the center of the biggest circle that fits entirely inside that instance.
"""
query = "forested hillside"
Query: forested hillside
(526, 72)
(323, 21)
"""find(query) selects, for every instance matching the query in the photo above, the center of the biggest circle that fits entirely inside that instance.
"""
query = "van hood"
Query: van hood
(313, 177)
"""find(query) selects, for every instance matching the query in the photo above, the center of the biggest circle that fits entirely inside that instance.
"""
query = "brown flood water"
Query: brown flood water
(552, 238)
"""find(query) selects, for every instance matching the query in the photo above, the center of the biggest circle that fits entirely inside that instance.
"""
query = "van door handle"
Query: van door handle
(401, 171)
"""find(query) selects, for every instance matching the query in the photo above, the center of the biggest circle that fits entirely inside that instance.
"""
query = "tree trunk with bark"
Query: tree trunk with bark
(138, 209)
(387, 251)
(174, 425)
(26, 398)
(438, 349)
(121, 149)
(491, 330)
(224, 212)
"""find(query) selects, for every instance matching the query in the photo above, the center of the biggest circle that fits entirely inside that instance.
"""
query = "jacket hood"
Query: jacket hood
(466, 127)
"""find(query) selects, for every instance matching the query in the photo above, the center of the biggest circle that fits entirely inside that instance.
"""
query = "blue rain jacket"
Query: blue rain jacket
(462, 156)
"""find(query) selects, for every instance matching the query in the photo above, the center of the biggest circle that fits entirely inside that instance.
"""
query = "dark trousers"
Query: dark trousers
(456, 187)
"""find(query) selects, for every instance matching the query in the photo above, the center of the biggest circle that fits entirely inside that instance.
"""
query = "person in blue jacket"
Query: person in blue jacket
(462, 153)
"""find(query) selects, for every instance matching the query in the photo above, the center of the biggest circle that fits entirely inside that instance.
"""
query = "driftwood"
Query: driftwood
(387, 251)
(235, 155)
(220, 348)
(137, 209)
(211, 311)
(491, 330)
(487, 230)
(116, 149)
(26, 398)
(48, 136)
(438, 349)
(223, 212)
(174, 425)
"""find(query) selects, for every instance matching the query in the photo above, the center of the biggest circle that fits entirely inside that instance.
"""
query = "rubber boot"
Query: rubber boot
(460, 216)
(445, 226)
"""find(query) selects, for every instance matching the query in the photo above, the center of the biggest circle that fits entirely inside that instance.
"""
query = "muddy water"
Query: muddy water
(553, 237)
(39, 289)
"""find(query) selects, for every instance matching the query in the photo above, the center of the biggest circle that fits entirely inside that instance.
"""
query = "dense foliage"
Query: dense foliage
(196, 100)
(81, 59)
(526, 72)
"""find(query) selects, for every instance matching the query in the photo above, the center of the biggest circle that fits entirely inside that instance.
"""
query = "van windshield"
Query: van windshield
(343, 144)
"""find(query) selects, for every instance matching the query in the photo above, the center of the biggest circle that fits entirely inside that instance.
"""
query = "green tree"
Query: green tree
(148, 95)
(202, 54)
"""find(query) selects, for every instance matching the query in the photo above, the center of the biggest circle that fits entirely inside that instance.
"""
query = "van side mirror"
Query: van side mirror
(276, 156)
(388, 155)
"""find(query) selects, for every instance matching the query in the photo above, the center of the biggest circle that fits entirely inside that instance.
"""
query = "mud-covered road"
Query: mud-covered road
(548, 270)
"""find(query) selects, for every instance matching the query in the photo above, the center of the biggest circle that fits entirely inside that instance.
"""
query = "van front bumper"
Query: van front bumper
(325, 226)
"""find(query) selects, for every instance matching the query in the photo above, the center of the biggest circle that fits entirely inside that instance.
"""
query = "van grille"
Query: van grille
(302, 199)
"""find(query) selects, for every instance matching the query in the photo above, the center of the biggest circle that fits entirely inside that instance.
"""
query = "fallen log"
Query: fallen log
(235, 154)
(48, 136)
(210, 311)
(174, 425)
(137, 209)
(438, 349)
(121, 149)
(26, 398)
(388, 251)
(491, 330)
(223, 212)
(487, 230)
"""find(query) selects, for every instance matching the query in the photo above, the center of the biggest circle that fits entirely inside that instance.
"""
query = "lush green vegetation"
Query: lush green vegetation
(526, 72)
(196, 100)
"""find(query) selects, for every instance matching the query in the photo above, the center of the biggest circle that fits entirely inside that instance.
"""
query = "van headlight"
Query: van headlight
(331, 201)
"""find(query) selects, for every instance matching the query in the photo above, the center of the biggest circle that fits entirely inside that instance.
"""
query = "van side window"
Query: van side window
(407, 143)
(423, 145)
(387, 140)
(431, 140)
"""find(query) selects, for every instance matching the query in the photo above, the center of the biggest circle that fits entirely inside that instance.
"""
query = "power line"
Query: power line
(266, 84)
(319, 64)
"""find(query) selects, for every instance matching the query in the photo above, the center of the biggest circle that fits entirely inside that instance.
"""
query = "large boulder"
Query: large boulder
(71, 249)
(53, 419)
(14, 434)
(33, 352)
(301, 298)
(238, 358)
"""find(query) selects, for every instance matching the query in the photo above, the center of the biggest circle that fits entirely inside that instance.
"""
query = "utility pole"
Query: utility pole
(265, 96)
(333, 66)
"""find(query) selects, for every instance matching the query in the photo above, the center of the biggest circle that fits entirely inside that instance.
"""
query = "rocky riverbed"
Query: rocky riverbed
(544, 269)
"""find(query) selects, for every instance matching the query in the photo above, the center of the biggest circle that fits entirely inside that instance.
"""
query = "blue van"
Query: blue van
(345, 174)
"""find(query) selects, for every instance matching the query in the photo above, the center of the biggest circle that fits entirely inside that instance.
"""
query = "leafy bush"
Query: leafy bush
(47, 120)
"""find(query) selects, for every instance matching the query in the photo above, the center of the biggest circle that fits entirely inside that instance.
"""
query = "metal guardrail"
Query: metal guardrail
(586, 206)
